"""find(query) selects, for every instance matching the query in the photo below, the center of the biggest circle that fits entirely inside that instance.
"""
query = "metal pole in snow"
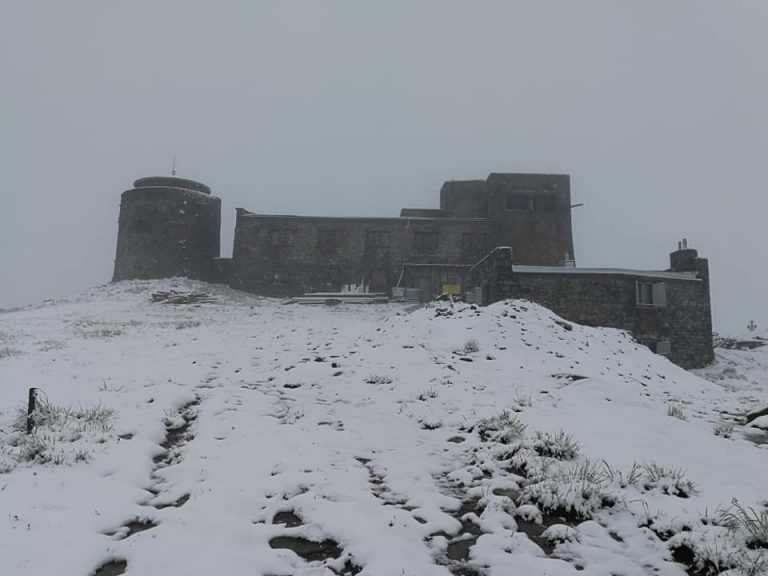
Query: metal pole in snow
(32, 404)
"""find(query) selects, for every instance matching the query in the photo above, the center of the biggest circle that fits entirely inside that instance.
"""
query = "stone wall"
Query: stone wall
(425, 248)
(170, 227)
(464, 198)
(425, 213)
(533, 216)
(531, 213)
(610, 299)
(291, 255)
(165, 231)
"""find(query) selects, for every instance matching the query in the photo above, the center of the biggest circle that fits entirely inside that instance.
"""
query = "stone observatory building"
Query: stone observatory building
(508, 236)
(429, 250)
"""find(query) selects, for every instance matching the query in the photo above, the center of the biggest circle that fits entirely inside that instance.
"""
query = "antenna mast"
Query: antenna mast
(173, 168)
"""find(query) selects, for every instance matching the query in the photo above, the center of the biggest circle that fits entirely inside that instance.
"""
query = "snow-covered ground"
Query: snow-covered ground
(218, 438)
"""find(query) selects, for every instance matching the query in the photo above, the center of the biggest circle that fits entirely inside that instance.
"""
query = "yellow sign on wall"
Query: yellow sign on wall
(453, 289)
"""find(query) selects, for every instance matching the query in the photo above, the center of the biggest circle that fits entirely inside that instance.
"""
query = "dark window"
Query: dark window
(329, 241)
(651, 294)
(281, 237)
(426, 242)
(644, 294)
(377, 239)
(518, 201)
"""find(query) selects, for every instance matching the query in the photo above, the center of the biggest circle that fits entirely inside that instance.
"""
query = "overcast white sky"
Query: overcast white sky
(657, 109)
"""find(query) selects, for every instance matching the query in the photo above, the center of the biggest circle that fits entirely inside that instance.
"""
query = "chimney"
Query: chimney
(683, 259)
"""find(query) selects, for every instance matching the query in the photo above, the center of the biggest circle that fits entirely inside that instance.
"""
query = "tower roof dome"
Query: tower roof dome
(171, 182)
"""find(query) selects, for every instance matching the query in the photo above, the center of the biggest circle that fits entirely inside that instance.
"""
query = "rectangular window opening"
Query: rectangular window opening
(651, 294)
(426, 242)
(518, 201)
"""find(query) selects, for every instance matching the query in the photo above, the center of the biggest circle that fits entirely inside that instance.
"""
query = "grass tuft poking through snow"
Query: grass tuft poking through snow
(733, 542)
(669, 479)
(674, 410)
(61, 435)
(428, 394)
(751, 524)
(522, 399)
(724, 429)
(7, 352)
(504, 428)
(622, 479)
(574, 489)
(470, 347)
(378, 379)
(559, 445)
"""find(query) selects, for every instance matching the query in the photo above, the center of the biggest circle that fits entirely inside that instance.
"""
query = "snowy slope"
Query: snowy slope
(373, 427)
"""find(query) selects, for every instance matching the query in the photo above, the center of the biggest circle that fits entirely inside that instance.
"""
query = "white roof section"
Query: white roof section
(610, 271)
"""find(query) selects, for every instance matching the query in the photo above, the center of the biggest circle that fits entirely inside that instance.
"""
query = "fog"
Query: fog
(657, 110)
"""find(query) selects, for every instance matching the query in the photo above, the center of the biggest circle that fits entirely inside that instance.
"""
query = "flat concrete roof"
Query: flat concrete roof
(521, 269)
(402, 219)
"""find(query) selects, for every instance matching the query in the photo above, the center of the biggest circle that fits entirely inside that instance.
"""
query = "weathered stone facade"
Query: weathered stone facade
(168, 227)
(425, 248)
(288, 255)
(668, 310)
(531, 213)
(508, 236)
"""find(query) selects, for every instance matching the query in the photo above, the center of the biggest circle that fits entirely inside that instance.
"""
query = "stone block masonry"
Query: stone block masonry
(508, 236)
(425, 248)
(168, 227)
(667, 310)
(290, 255)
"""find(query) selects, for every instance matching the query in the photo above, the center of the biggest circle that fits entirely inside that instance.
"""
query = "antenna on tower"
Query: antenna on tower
(173, 168)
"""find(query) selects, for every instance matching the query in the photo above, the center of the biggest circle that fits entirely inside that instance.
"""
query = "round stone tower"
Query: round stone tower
(168, 227)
